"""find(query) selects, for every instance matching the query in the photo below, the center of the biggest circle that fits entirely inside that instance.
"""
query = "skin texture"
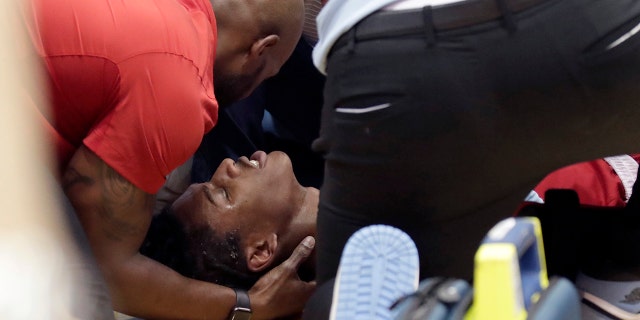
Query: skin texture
(252, 43)
(264, 207)
(116, 214)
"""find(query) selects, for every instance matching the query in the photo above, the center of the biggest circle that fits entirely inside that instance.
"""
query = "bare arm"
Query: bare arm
(116, 215)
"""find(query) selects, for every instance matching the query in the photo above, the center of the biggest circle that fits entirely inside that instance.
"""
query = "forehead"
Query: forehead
(195, 209)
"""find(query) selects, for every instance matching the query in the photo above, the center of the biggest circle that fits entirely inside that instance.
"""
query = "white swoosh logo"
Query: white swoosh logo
(624, 37)
(364, 110)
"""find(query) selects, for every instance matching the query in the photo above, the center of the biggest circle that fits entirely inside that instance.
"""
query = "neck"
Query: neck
(308, 211)
(303, 224)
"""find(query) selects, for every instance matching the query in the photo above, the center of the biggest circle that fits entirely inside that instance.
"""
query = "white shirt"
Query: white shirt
(338, 16)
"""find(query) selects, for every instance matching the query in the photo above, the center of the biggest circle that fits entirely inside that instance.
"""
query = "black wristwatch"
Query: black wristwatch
(242, 310)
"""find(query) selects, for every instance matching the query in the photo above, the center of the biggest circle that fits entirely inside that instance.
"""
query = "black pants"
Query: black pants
(443, 133)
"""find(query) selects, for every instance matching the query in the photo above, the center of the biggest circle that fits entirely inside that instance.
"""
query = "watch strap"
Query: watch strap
(242, 299)
(242, 310)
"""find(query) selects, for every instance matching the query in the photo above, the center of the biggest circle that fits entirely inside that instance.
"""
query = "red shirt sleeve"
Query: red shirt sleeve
(160, 119)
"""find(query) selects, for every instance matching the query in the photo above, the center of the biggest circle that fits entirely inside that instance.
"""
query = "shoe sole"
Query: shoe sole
(379, 264)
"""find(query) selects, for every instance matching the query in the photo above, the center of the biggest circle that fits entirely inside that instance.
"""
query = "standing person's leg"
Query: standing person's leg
(443, 134)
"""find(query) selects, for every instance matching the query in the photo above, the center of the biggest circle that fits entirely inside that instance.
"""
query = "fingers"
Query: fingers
(280, 292)
(301, 252)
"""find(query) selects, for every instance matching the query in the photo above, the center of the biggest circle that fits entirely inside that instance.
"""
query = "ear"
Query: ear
(260, 253)
(260, 46)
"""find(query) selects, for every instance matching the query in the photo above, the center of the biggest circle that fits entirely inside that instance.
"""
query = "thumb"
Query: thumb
(301, 253)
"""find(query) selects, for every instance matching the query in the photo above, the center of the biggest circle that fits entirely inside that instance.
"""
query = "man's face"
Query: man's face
(243, 196)
(235, 78)
(230, 87)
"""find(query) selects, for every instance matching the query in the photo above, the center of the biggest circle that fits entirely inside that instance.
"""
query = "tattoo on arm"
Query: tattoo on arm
(122, 209)
(121, 206)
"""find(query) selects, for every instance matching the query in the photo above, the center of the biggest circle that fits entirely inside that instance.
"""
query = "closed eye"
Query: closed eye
(226, 194)
(218, 195)
(208, 194)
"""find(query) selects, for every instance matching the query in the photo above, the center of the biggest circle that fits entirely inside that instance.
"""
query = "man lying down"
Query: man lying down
(246, 220)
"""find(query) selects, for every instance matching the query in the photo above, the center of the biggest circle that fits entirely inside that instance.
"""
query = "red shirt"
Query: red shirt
(603, 182)
(130, 79)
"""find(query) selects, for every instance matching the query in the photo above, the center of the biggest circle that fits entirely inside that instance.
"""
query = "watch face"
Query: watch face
(240, 314)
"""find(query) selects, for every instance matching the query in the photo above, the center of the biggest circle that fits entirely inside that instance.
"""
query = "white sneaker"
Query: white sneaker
(379, 264)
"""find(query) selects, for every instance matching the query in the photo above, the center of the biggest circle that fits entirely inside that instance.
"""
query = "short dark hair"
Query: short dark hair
(201, 254)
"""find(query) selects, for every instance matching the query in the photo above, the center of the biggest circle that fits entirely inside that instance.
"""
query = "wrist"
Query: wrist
(259, 311)
(242, 310)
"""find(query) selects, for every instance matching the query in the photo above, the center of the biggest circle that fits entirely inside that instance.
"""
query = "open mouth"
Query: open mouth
(258, 159)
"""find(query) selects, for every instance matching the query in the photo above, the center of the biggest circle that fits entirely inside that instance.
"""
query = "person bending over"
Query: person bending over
(133, 89)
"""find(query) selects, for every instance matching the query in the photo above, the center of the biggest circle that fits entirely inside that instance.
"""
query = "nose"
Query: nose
(232, 170)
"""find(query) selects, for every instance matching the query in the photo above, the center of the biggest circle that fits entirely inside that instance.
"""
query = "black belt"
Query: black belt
(446, 17)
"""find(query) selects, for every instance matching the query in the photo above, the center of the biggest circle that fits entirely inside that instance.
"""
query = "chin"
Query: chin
(227, 92)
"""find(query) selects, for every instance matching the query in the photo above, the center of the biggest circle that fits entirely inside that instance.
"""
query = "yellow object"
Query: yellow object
(510, 271)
